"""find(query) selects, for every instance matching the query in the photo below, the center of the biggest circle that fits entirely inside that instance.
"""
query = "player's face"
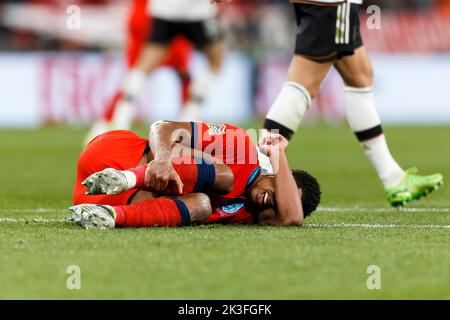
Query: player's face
(262, 194)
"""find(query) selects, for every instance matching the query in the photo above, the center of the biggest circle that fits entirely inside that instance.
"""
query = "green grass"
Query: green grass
(37, 169)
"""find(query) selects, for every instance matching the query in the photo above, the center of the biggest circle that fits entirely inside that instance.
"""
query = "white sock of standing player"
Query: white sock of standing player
(292, 102)
(288, 109)
(199, 90)
(285, 114)
(125, 110)
(366, 124)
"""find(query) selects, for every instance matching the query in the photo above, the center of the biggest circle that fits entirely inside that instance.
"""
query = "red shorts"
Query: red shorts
(139, 25)
(119, 149)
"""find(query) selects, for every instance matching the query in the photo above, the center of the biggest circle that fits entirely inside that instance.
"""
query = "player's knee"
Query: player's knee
(361, 79)
(199, 206)
(215, 54)
(313, 89)
(215, 62)
(312, 86)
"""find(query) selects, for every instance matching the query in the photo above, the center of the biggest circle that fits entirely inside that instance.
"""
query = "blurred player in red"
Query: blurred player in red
(172, 23)
(214, 177)
(177, 57)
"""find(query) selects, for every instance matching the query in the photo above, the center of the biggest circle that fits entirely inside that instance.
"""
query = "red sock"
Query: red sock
(195, 177)
(111, 107)
(158, 212)
(185, 87)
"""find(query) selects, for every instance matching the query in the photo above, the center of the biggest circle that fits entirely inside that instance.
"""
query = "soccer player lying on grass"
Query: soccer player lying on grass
(237, 191)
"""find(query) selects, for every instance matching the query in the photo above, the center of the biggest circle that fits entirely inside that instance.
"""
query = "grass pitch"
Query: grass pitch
(328, 258)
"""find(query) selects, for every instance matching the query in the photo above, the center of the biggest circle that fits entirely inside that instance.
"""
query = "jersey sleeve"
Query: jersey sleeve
(231, 211)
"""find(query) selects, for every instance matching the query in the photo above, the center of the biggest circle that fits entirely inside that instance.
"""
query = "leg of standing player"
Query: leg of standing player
(336, 32)
(137, 30)
(305, 76)
(363, 118)
(207, 36)
(150, 58)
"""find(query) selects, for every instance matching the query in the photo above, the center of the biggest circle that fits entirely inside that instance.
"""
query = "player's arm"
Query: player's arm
(289, 208)
(164, 137)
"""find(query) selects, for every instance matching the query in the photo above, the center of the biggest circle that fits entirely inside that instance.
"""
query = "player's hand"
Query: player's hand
(273, 144)
(158, 175)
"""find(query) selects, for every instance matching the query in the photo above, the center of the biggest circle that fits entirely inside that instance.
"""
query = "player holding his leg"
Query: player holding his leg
(328, 36)
(240, 193)
(178, 56)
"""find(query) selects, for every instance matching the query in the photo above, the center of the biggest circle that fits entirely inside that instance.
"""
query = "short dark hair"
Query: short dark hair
(310, 190)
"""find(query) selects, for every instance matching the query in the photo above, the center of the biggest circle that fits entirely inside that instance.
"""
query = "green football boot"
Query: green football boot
(413, 187)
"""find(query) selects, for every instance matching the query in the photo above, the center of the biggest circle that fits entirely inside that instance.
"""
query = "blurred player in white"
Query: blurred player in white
(328, 35)
(195, 20)
(138, 30)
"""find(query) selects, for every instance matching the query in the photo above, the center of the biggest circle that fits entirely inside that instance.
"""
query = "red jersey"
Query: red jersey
(231, 210)
(231, 145)
(234, 147)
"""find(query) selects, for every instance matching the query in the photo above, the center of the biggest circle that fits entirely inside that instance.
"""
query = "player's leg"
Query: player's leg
(162, 212)
(138, 29)
(196, 175)
(149, 59)
(178, 57)
(315, 53)
(363, 118)
(303, 84)
(205, 35)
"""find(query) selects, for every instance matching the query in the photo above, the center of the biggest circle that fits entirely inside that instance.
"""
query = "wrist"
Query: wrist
(276, 159)
(162, 156)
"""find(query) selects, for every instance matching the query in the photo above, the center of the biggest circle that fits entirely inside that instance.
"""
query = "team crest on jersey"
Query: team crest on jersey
(233, 207)
(216, 128)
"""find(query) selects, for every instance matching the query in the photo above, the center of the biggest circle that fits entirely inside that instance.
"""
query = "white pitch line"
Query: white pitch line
(357, 209)
(27, 210)
(320, 209)
(368, 226)
(45, 220)
(308, 225)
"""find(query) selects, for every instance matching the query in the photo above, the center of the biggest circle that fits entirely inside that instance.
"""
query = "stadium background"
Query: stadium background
(53, 74)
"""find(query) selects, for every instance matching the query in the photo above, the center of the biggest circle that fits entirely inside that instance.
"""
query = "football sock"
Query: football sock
(366, 124)
(201, 85)
(123, 115)
(162, 212)
(288, 109)
(185, 86)
(111, 107)
(196, 175)
(134, 84)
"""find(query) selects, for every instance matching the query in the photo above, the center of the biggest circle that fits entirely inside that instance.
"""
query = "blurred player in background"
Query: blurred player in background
(178, 56)
(328, 35)
(172, 21)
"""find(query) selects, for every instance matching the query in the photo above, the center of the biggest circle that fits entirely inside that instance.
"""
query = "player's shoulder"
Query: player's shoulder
(233, 209)
(115, 135)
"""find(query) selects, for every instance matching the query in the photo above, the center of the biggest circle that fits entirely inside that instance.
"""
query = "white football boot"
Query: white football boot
(93, 216)
(109, 181)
